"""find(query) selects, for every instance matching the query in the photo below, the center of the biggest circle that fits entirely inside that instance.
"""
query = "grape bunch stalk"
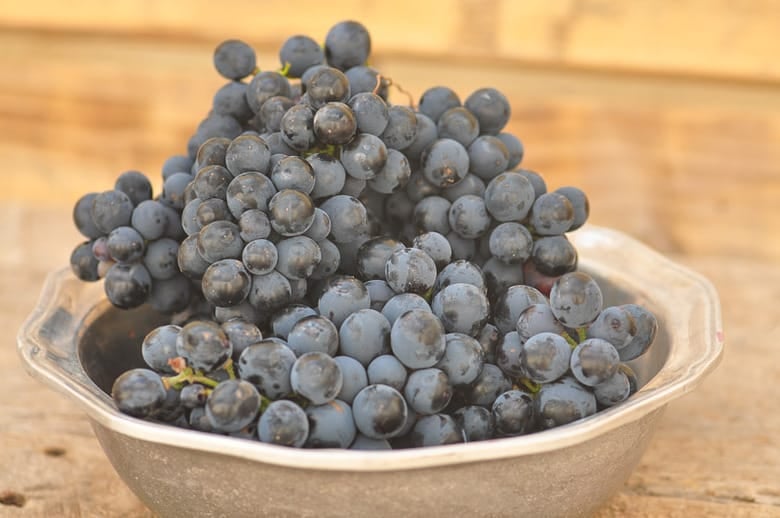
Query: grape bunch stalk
(341, 271)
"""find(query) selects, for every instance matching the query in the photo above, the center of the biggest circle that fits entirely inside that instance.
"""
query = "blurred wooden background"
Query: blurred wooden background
(666, 113)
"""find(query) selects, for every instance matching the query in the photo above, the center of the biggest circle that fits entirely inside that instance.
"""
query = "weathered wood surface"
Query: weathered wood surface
(689, 166)
(711, 38)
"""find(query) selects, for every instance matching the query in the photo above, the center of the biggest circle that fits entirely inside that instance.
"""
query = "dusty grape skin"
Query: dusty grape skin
(462, 308)
(428, 391)
(417, 339)
(267, 365)
(138, 392)
(435, 430)
(410, 270)
(232, 405)
(380, 411)
(513, 413)
(563, 402)
(463, 358)
(545, 357)
(330, 425)
(576, 299)
(647, 328)
(204, 345)
(594, 361)
(283, 423)
(364, 335)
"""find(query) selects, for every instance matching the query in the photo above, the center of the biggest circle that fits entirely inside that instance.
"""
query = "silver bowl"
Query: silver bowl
(77, 343)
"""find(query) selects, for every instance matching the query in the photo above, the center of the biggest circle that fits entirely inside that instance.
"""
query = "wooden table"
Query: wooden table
(685, 158)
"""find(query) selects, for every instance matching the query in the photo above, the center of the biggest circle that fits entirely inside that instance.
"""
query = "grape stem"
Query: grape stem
(532, 386)
(285, 69)
(572, 341)
(188, 375)
(581, 334)
(229, 368)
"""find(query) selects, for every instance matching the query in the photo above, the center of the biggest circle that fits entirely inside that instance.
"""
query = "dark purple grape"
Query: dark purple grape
(234, 59)
(159, 346)
(436, 430)
(283, 423)
(379, 411)
(417, 339)
(562, 402)
(232, 405)
(83, 262)
(317, 377)
(347, 44)
(226, 283)
(138, 392)
(513, 413)
(136, 185)
(299, 53)
(491, 108)
(267, 365)
(204, 345)
(334, 124)
(127, 285)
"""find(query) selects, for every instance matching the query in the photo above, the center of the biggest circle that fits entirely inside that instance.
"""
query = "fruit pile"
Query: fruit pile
(342, 271)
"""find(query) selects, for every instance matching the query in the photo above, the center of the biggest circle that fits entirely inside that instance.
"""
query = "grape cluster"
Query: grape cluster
(342, 271)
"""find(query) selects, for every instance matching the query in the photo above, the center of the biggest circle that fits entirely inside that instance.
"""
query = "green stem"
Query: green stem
(530, 385)
(188, 375)
(285, 69)
(229, 368)
(581, 334)
(572, 341)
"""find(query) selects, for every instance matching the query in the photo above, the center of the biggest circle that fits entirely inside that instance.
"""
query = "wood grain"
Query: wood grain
(711, 38)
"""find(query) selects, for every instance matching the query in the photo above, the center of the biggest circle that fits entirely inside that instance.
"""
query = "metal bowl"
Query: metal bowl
(77, 343)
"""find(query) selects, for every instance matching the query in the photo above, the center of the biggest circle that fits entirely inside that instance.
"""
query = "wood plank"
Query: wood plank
(687, 155)
(714, 38)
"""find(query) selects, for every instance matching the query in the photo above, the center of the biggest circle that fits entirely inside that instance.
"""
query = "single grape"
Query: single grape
(488, 157)
(297, 127)
(138, 392)
(334, 124)
(234, 59)
(109, 210)
(511, 243)
(230, 100)
(614, 390)
(242, 334)
(247, 191)
(254, 224)
(393, 176)
(445, 162)
(226, 282)
(330, 425)
(364, 335)
(83, 262)
(614, 324)
(458, 124)
(545, 357)
(554, 256)
(364, 156)
(400, 303)
(509, 355)
(576, 299)
(326, 85)
(300, 52)
(136, 185)
(410, 270)
(347, 44)
(204, 345)
(537, 318)
(463, 359)
(159, 346)
(161, 258)
(646, 329)
(212, 152)
(283, 423)
(491, 108)
(127, 285)
(292, 172)
(171, 295)
(193, 396)
(260, 256)
(401, 127)
(150, 219)
(329, 262)
(594, 361)
(562, 402)
(469, 217)
(232, 405)
(387, 370)
(460, 271)
(477, 422)
(219, 240)
(270, 292)
(379, 411)
(462, 308)
(82, 217)
(267, 365)
(509, 197)
(436, 430)
(291, 212)
(364, 79)
(486, 388)
(513, 413)
(428, 391)
(188, 259)
(515, 148)
(417, 339)
(370, 112)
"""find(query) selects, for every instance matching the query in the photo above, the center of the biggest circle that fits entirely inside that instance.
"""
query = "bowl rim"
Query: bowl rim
(694, 352)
